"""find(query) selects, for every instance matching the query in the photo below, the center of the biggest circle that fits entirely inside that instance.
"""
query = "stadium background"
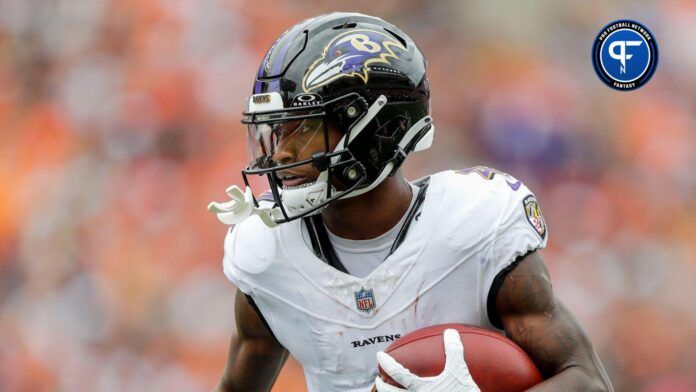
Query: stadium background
(119, 122)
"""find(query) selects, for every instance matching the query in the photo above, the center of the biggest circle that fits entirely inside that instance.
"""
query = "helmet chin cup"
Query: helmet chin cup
(297, 202)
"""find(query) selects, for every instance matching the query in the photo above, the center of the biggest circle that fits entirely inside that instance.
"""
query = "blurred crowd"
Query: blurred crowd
(119, 122)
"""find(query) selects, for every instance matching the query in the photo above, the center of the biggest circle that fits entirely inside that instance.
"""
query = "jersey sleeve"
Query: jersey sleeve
(521, 229)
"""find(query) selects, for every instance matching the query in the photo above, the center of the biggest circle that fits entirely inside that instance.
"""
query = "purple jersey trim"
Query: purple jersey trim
(266, 196)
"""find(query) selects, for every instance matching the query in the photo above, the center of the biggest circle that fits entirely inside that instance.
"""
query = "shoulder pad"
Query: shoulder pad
(499, 198)
(250, 248)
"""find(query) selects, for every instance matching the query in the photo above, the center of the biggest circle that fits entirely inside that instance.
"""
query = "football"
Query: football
(496, 363)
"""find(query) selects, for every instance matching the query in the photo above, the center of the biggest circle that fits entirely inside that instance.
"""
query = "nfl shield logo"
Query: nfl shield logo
(365, 299)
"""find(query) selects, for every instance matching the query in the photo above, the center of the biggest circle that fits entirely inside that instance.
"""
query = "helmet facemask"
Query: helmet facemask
(303, 129)
(341, 174)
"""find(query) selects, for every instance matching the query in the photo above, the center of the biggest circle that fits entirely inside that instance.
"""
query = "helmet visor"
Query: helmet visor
(269, 142)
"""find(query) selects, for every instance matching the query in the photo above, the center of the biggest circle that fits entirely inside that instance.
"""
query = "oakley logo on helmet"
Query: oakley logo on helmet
(349, 55)
(304, 100)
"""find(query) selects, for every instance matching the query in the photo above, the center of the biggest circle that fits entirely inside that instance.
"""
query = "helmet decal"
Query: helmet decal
(272, 63)
(348, 55)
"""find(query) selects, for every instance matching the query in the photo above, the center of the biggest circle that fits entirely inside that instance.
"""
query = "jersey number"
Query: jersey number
(488, 174)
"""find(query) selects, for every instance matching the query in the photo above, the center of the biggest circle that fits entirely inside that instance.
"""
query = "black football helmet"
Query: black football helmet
(357, 72)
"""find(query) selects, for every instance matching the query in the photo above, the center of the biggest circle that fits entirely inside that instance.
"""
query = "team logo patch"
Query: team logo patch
(624, 55)
(365, 299)
(534, 217)
(349, 55)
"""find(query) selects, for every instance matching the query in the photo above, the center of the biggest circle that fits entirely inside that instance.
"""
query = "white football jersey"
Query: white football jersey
(471, 225)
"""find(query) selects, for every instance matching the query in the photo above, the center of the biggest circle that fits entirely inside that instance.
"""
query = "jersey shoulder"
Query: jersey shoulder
(483, 180)
(249, 249)
(498, 198)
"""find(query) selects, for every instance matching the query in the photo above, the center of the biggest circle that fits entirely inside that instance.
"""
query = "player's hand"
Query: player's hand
(454, 378)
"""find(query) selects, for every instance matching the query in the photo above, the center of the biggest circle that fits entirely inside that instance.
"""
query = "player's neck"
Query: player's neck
(371, 214)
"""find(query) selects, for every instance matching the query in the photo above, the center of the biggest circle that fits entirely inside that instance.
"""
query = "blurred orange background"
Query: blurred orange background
(119, 122)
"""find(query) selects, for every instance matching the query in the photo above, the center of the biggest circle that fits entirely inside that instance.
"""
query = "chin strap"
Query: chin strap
(242, 206)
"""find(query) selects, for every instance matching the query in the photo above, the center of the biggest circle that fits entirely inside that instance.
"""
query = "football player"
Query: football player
(343, 255)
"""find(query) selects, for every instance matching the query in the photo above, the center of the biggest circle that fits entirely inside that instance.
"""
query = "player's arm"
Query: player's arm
(255, 356)
(536, 320)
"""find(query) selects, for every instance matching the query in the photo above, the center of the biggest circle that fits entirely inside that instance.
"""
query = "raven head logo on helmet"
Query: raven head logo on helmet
(349, 55)
(338, 103)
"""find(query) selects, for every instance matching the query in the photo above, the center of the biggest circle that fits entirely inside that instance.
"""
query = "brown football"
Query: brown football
(496, 363)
